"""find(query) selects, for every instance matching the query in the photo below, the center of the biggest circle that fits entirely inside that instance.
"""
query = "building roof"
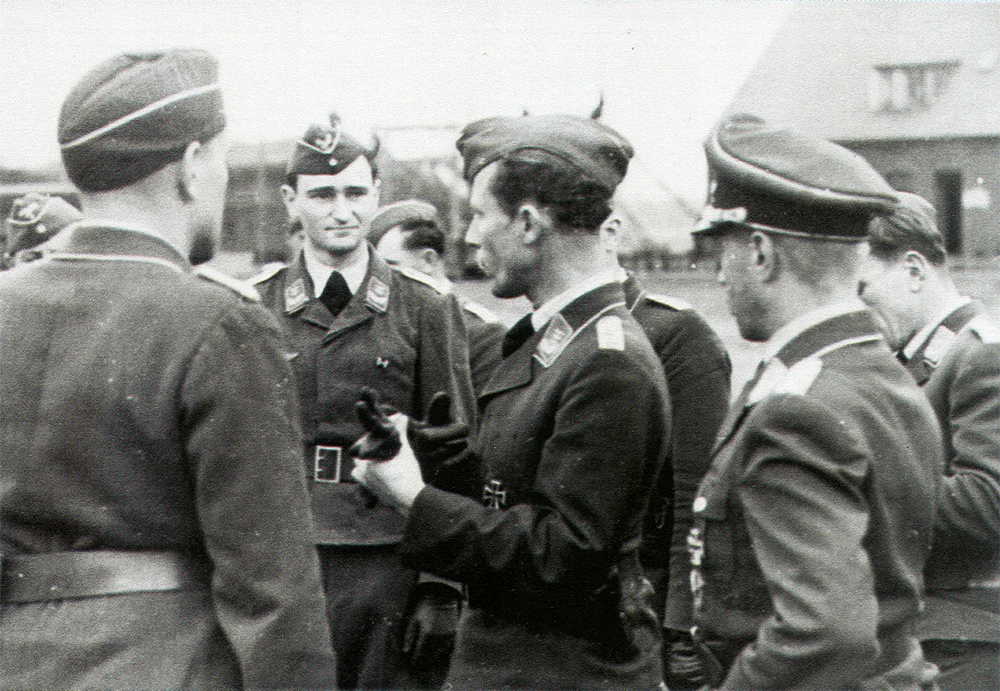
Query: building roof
(818, 72)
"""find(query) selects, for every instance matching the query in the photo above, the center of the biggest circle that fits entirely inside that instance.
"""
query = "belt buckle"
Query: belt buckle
(326, 463)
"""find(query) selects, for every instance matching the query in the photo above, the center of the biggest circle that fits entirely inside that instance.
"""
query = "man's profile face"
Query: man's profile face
(210, 200)
(334, 210)
(885, 286)
(500, 252)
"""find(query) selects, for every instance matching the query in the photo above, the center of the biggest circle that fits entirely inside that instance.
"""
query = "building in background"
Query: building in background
(914, 87)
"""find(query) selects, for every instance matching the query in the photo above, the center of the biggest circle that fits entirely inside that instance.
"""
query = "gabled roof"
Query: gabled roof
(815, 73)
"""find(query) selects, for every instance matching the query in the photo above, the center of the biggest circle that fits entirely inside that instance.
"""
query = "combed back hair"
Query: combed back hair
(817, 262)
(422, 234)
(576, 203)
(910, 228)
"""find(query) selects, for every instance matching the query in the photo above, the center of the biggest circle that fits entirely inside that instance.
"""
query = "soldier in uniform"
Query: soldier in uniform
(952, 348)
(814, 520)
(354, 322)
(408, 236)
(573, 429)
(698, 370)
(155, 524)
(34, 220)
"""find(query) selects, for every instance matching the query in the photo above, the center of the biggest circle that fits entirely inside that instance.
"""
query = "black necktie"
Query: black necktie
(335, 294)
(518, 334)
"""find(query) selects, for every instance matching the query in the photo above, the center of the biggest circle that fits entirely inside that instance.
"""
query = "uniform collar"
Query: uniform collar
(804, 322)
(922, 336)
(320, 273)
(112, 238)
(541, 316)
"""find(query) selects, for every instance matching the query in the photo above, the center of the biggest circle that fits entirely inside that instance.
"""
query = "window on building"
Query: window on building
(908, 87)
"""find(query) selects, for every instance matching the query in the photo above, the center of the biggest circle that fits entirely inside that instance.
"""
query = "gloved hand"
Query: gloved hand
(430, 631)
(382, 441)
(686, 664)
(438, 438)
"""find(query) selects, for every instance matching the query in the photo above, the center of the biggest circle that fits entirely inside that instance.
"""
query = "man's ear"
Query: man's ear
(764, 262)
(429, 257)
(288, 195)
(532, 222)
(608, 233)
(917, 268)
(189, 172)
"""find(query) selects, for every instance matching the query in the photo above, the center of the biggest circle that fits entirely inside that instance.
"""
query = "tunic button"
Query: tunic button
(699, 504)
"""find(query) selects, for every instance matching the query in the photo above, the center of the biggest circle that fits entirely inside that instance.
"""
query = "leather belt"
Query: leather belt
(331, 464)
(99, 573)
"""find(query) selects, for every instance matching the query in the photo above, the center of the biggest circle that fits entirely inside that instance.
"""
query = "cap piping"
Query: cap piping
(146, 110)
(781, 184)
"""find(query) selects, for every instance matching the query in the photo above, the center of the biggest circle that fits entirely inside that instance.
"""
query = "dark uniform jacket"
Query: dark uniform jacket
(484, 328)
(958, 367)
(145, 409)
(698, 370)
(814, 520)
(572, 433)
(397, 336)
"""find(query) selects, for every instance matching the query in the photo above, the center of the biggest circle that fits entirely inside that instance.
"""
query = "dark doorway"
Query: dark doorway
(949, 207)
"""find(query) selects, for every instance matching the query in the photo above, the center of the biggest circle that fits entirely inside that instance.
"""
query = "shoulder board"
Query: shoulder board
(484, 313)
(610, 334)
(669, 301)
(241, 288)
(938, 345)
(985, 328)
(778, 379)
(267, 271)
(418, 277)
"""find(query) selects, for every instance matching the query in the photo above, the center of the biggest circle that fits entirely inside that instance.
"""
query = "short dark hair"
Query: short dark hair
(576, 202)
(420, 234)
(910, 228)
(292, 179)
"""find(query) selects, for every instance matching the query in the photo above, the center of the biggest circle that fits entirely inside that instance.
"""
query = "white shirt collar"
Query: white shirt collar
(320, 272)
(919, 338)
(541, 316)
(789, 331)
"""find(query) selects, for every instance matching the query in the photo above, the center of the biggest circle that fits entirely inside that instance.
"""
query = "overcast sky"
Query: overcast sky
(667, 68)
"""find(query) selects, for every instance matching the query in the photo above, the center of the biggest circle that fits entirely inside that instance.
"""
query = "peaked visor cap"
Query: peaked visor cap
(599, 152)
(775, 179)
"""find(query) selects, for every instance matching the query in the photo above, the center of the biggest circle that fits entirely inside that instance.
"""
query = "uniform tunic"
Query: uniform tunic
(814, 520)
(572, 434)
(697, 370)
(143, 408)
(407, 342)
(957, 363)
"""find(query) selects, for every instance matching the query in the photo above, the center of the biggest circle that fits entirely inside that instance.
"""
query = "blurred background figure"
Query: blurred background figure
(951, 346)
(698, 371)
(409, 237)
(34, 219)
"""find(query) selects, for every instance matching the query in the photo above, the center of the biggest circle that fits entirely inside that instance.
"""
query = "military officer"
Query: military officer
(952, 348)
(354, 322)
(814, 520)
(155, 524)
(698, 370)
(408, 236)
(573, 430)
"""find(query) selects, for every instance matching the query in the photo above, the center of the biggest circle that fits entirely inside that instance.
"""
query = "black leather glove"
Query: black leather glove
(430, 632)
(437, 439)
(382, 441)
